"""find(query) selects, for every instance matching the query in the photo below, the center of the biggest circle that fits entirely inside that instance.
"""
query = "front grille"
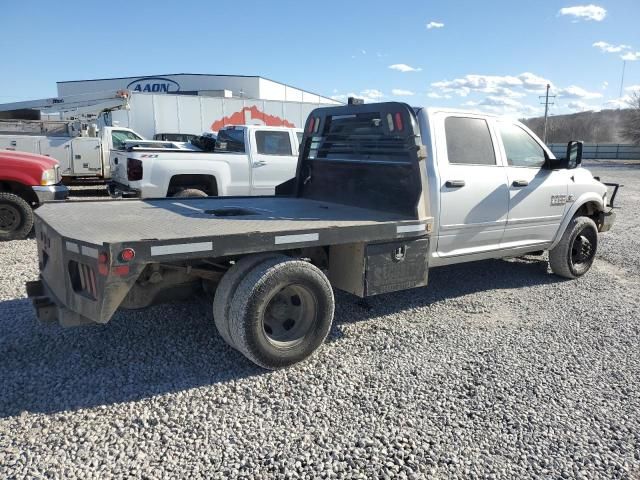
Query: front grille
(83, 279)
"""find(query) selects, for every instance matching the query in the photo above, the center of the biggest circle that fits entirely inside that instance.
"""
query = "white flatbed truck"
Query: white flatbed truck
(382, 193)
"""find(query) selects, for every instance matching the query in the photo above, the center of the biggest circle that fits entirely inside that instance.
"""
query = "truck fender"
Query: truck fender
(587, 197)
(219, 170)
(20, 176)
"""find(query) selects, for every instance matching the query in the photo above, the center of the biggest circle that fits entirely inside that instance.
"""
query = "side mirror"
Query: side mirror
(574, 154)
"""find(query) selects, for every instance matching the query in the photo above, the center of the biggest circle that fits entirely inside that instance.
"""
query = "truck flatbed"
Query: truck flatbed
(258, 221)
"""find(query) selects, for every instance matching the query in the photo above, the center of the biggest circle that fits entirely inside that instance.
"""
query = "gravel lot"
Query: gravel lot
(497, 370)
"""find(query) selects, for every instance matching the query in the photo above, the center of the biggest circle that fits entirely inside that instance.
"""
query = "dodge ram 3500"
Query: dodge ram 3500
(382, 192)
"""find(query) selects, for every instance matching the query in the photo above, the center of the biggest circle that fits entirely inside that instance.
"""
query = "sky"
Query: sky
(493, 55)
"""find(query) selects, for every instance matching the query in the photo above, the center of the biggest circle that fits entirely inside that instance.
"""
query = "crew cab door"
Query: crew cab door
(474, 194)
(537, 194)
(274, 156)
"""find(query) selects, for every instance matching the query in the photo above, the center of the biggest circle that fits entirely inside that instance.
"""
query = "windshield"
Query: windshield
(118, 137)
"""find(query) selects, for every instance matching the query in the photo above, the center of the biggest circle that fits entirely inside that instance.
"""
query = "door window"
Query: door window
(469, 141)
(521, 149)
(273, 142)
(118, 137)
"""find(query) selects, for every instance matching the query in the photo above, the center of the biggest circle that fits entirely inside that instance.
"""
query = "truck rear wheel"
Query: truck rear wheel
(227, 287)
(573, 256)
(190, 192)
(16, 217)
(281, 312)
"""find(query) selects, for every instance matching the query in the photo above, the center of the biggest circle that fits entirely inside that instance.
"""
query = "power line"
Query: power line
(546, 97)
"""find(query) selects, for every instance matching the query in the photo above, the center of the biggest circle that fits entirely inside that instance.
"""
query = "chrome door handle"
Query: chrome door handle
(454, 183)
(259, 163)
(520, 183)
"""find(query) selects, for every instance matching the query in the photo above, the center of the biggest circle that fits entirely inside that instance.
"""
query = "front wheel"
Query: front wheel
(573, 256)
(16, 217)
(281, 312)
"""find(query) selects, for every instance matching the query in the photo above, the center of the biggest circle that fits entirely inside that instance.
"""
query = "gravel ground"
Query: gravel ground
(497, 370)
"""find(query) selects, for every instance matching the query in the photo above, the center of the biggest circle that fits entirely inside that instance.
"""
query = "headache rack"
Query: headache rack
(362, 155)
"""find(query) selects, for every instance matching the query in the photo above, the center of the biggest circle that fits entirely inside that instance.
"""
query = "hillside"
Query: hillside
(591, 127)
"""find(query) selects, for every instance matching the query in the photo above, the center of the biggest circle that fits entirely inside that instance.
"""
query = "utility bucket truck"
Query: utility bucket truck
(79, 147)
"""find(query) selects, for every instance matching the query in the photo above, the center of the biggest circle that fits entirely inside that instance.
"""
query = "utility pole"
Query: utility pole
(624, 65)
(546, 111)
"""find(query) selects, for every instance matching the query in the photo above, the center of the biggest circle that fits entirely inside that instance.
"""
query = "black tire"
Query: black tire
(190, 192)
(281, 312)
(573, 256)
(16, 217)
(227, 287)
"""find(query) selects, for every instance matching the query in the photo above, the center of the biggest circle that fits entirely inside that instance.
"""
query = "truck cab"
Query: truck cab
(26, 182)
(498, 189)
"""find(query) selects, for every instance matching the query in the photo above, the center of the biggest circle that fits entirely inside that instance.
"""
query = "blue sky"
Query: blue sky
(492, 55)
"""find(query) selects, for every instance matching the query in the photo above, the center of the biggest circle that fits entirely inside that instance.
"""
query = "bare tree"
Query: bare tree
(631, 124)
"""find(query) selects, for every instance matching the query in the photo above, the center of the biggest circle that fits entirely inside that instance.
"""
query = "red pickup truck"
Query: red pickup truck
(26, 181)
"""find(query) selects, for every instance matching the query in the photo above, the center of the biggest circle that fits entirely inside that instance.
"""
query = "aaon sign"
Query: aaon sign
(154, 85)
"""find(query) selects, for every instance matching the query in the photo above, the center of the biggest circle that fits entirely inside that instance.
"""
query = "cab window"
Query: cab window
(273, 143)
(521, 149)
(230, 140)
(469, 141)
(119, 137)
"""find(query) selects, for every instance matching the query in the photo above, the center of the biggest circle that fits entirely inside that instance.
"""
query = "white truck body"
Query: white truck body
(78, 154)
(382, 193)
(267, 157)
(502, 201)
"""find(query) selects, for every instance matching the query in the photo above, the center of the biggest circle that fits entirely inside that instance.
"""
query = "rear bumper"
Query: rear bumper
(51, 192)
(606, 220)
(49, 310)
(118, 190)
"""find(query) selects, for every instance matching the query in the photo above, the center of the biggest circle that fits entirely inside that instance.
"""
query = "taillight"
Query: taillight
(134, 169)
(316, 127)
(398, 122)
(103, 263)
(127, 254)
(310, 127)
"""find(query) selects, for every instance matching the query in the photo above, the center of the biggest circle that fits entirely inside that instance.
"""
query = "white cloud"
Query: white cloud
(399, 92)
(622, 102)
(609, 48)
(403, 67)
(437, 95)
(479, 83)
(580, 106)
(534, 83)
(630, 56)
(370, 95)
(431, 25)
(584, 12)
(605, 85)
(496, 101)
(575, 92)
(632, 88)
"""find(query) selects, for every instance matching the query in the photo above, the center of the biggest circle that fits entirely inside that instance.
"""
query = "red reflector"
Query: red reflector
(103, 269)
(310, 129)
(103, 258)
(127, 254)
(120, 270)
(399, 125)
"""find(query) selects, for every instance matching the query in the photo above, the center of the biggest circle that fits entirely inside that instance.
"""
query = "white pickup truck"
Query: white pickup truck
(80, 153)
(382, 193)
(247, 160)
